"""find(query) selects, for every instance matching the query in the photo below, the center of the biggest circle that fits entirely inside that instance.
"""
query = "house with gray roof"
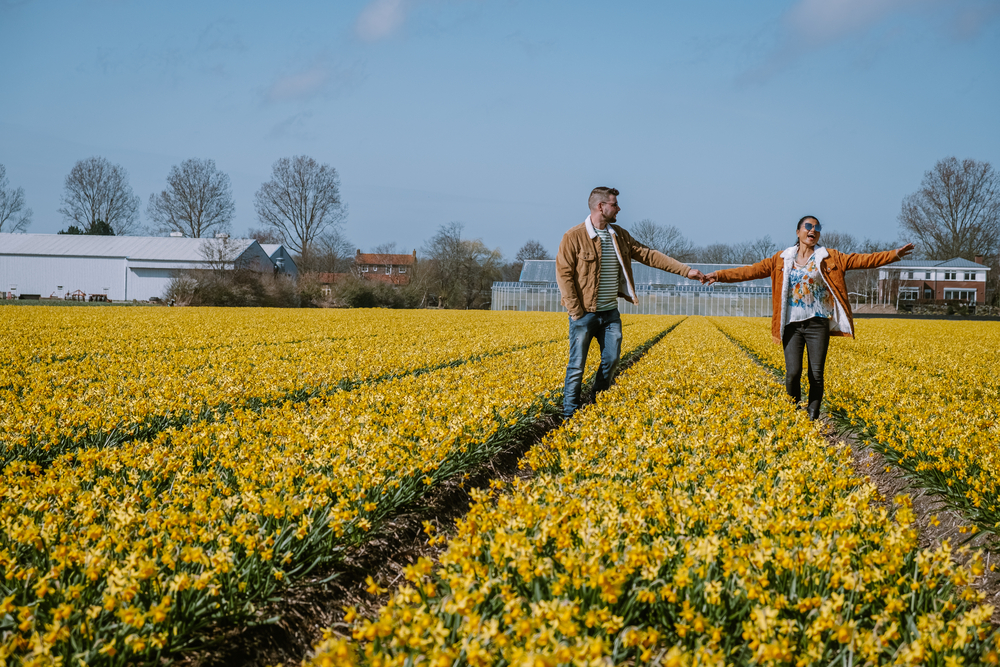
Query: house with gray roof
(924, 281)
(122, 268)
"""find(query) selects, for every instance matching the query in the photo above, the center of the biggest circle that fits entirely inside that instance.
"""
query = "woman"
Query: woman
(810, 301)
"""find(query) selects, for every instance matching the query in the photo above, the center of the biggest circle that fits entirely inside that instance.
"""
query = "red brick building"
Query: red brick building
(387, 268)
(922, 281)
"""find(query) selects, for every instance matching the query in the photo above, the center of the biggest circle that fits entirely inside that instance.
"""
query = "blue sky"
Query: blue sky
(727, 119)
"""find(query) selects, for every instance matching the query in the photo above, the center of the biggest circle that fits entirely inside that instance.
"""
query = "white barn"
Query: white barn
(123, 268)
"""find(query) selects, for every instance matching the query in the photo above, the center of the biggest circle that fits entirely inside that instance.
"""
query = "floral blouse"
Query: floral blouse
(808, 296)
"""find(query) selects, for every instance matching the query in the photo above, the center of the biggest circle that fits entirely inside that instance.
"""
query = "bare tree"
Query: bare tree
(762, 248)
(862, 285)
(462, 271)
(387, 248)
(743, 252)
(666, 238)
(716, 253)
(14, 217)
(839, 241)
(301, 202)
(334, 252)
(198, 200)
(98, 190)
(956, 212)
(262, 236)
(532, 249)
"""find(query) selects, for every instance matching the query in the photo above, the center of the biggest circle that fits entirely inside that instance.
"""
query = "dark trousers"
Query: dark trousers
(814, 335)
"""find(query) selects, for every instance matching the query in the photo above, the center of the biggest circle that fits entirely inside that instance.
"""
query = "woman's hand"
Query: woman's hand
(904, 251)
(710, 279)
(695, 274)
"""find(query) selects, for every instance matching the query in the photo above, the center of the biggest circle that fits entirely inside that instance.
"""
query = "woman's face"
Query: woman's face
(808, 237)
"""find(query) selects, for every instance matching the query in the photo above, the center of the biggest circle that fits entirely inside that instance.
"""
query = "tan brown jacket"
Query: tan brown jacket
(578, 266)
(833, 264)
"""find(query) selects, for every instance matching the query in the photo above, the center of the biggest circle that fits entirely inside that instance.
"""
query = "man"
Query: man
(594, 268)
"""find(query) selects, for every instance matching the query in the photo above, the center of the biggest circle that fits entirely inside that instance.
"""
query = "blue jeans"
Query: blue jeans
(606, 327)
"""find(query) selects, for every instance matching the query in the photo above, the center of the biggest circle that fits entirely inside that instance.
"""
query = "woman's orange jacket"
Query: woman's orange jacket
(833, 264)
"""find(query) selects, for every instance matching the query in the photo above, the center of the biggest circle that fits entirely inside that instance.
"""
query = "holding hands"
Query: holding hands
(695, 274)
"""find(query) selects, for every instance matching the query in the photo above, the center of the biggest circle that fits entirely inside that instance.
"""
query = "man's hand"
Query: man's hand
(695, 274)
(904, 251)
(711, 278)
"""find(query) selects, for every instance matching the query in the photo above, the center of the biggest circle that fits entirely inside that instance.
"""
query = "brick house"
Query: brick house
(923, 281)
(387, 268)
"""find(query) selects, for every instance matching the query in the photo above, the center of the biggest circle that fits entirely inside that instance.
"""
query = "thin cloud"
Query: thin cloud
(220, 36)
(321, 79)
(381, 19)
(296, 127)
(301, 85)
(532, 48)
(813, 25)
(820, 22)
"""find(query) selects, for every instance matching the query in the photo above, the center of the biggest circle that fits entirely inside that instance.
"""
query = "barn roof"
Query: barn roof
(271, 248)
(131, 247)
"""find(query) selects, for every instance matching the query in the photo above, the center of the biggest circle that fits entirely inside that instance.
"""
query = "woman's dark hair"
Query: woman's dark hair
(803, 219)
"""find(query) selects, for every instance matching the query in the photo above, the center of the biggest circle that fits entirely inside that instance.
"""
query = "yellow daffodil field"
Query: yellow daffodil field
(693, 516)
(925, 394)
(169, 471)
(124, 549)
(66, 385)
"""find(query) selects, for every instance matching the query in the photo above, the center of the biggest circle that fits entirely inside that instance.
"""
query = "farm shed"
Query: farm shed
(281, 259)
(123, 268)
(659, 292)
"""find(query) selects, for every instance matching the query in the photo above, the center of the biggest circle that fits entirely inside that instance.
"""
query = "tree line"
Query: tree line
(954, 213)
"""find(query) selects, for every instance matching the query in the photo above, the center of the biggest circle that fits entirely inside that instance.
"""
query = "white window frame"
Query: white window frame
(927, 275)
(951, 275)
(957, 295)
(402, 269)
(364, 269)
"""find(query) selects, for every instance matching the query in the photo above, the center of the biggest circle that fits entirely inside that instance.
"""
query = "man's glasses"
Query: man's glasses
(810, 226)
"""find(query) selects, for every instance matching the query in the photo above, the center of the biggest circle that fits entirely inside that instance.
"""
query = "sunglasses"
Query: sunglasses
(810, 226)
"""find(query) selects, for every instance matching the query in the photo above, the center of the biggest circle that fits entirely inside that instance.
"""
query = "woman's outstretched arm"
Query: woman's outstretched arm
(874, 260)
(761, 269)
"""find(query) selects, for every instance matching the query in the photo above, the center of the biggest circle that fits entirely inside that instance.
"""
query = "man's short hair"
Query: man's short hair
(598, 195)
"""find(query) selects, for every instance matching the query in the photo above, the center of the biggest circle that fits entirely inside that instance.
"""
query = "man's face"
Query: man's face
(609, 208)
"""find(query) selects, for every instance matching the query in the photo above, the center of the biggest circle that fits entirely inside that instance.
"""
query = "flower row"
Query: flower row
(692, 516)
(926, 395)
(72, 377)
(124, 554)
